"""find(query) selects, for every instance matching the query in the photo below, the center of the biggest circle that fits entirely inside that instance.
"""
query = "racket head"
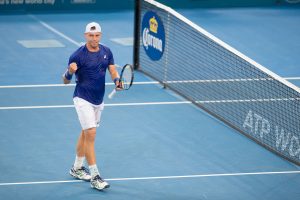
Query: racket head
(127, 76)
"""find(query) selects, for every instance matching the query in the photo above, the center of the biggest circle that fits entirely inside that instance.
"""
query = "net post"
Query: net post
(137, 21)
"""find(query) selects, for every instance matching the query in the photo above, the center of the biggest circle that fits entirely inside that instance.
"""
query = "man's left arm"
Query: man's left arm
(114, 75)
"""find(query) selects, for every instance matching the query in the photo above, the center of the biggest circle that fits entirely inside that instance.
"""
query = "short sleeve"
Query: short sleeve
(111, 58)
(73, 58)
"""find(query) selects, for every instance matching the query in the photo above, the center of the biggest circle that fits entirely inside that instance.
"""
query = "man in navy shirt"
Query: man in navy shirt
(89, 64)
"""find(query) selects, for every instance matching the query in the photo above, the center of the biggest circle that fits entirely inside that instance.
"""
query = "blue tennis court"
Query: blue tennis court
(152, 143)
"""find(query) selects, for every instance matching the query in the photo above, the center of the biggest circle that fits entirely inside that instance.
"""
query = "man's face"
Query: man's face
(93, 39)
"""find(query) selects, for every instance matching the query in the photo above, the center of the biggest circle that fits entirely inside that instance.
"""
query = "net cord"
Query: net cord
(223, 44)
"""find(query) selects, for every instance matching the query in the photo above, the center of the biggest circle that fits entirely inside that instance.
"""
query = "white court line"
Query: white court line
(55, 31)
(134, 83)
(106, 105)
(248, 100)
(158, 177)
(155, 103)
(36, 86)
(68, 85)
(59, 33)
(292, 78)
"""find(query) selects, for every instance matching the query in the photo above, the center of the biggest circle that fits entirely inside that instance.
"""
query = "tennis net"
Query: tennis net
(218, 78)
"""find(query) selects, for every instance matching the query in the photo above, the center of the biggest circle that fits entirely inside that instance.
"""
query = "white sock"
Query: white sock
(94, 170)
(78, 162)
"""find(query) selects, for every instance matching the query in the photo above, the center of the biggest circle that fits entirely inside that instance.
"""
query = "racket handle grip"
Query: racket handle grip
(112, 94)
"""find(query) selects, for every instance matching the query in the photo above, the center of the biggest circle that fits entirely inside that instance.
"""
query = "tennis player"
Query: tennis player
(89, 64)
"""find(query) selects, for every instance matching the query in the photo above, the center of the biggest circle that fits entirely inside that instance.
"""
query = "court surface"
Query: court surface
(152, 144)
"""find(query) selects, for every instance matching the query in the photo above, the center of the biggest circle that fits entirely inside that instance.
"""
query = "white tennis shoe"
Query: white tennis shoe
(82, 173)
(98, 183)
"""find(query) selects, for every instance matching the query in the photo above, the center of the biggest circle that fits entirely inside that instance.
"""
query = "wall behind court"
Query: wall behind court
(93, 5)
(64, 5)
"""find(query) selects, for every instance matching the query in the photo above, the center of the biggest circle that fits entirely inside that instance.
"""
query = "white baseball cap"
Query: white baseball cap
(92, 27)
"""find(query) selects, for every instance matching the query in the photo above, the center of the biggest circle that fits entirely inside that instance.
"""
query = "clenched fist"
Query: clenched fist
(72, 68)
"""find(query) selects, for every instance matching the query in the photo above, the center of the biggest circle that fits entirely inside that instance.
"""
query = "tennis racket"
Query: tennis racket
(126, 79)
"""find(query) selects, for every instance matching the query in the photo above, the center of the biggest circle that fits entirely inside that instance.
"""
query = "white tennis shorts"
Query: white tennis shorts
(89, 115)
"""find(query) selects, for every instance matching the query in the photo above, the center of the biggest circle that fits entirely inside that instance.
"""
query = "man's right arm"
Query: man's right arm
(67, 76)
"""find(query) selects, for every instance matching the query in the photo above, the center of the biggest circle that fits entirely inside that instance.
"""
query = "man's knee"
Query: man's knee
(90, 134)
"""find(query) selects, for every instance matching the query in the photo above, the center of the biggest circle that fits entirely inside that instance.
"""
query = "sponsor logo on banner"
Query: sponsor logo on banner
(153, 35)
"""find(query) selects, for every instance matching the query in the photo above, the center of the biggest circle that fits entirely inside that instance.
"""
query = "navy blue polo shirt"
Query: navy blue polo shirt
(90, 75)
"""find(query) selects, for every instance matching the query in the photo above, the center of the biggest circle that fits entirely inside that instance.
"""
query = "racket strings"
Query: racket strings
(126, 78)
